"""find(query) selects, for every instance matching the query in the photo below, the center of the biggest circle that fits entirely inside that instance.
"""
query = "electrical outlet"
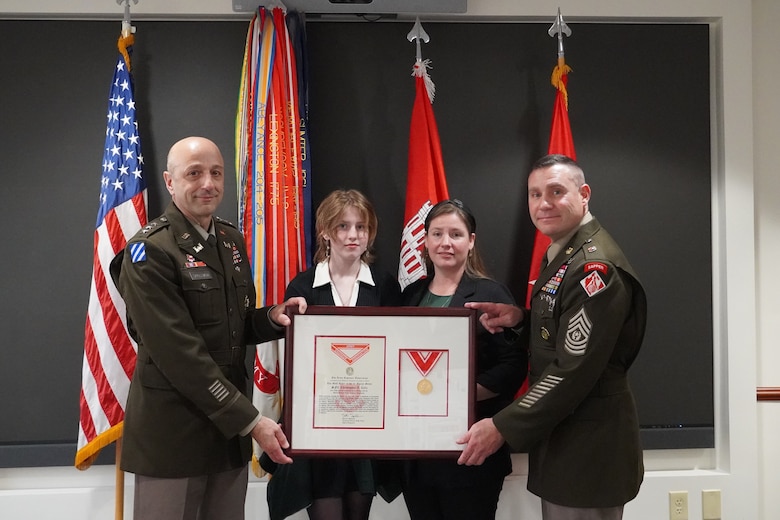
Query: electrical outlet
(710, 504)
(678, 505)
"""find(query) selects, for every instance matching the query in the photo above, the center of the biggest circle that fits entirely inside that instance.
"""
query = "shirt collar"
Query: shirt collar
(322, 274)
(203, 232)
(556, 246)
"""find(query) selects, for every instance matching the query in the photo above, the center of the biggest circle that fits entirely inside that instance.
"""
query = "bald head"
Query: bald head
(195, 178)
(188, 146)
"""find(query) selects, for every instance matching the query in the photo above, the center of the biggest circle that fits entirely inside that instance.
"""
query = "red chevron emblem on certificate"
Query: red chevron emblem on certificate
(350, 352)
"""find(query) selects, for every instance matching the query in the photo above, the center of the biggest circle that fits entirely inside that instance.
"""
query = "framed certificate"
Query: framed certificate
(380, 382)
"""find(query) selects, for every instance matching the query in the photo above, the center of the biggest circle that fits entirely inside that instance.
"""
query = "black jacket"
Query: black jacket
(502, 364)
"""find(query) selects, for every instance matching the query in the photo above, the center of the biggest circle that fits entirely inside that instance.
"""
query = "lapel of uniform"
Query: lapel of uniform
(546, 274)
(191, 243)
(229, 252)
(564, 256)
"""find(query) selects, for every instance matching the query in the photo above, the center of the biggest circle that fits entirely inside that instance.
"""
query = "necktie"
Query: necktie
(212, 240)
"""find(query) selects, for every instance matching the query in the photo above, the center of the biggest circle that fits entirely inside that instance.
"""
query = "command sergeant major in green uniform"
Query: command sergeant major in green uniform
(578, 420)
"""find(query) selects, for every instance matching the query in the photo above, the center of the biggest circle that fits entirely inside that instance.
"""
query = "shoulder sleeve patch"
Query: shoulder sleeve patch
(593, 283)
(596, 266)
(137, 252)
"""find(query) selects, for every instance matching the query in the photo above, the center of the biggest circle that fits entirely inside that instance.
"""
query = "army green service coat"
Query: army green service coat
(578, 420)
(191, 308)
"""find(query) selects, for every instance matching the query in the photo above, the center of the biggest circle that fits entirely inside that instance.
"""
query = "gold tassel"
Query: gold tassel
(556, 79)
(123, 43)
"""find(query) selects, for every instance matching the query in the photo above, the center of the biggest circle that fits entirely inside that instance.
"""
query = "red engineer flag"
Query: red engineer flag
(425, 184)
(561, 142)
(109, 352)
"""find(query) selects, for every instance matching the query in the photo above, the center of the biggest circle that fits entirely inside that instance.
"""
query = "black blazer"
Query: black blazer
(502, 365)
(384, 292)
(290, 489)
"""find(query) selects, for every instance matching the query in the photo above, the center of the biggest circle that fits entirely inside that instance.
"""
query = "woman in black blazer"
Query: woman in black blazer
(346, 226)
(440, 488)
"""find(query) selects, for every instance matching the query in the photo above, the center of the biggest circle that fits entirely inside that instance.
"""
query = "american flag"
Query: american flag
(109, 352)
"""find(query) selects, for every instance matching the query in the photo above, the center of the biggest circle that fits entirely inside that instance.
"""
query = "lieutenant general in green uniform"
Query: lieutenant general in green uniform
(190, 298)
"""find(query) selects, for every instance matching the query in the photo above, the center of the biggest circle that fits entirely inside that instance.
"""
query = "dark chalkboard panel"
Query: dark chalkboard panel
(639, 106)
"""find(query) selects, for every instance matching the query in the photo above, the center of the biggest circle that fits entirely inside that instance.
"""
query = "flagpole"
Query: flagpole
(119, 475)
(119, 492)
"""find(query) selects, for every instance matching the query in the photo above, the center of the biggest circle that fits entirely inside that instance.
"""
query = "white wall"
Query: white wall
(766, 128)
(746, 218)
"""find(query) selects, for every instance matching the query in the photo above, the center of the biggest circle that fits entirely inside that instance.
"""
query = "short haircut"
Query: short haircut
(577, 175)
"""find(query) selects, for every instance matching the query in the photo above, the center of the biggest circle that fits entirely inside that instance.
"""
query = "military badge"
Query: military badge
(596, 266)
(236, 255)
(593, 283)
(551, 287)
(138, 252)
(192, 262)
(578, 333)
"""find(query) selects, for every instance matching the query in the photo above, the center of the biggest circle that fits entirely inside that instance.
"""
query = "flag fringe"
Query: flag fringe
(87, 455)
(556, 79)
(421, 71)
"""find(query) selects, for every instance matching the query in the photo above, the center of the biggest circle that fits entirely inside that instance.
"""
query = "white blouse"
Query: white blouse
(322, 277)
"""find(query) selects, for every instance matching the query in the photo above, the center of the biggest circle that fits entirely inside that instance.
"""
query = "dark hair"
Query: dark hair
(463, 212)
(474, 265)
(576, 172)
(554, 158)
(328, 215)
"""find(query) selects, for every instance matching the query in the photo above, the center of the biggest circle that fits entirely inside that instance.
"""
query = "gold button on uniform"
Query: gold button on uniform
(545, 334)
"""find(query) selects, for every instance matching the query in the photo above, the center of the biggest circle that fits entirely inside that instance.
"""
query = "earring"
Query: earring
(327, 249)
